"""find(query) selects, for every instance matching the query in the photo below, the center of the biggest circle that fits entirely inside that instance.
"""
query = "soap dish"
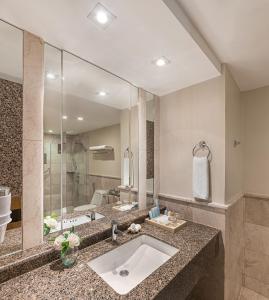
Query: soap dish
(163, 222)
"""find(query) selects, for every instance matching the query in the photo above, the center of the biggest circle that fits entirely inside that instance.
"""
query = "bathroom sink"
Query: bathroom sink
(68, 223)
(126, 266)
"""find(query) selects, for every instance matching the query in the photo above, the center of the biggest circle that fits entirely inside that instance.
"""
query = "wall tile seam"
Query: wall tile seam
(258, 252)
(31, 140)
(257, 279)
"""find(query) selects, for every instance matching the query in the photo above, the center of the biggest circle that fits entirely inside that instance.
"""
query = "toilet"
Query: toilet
(98, 199)
(5, 212)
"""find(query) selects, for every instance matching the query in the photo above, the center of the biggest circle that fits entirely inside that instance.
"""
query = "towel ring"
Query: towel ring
(201, 146)
(128, 153)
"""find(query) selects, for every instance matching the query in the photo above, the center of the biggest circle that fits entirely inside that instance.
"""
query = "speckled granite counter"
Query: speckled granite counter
(12, 242)
(91, 232)
(198, 250)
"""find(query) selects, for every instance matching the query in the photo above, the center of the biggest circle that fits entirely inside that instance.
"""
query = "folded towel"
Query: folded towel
(200, 178)
(126, 171)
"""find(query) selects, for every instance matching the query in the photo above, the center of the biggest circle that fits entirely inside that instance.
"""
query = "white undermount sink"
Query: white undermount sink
(126, 266)
(68, 223)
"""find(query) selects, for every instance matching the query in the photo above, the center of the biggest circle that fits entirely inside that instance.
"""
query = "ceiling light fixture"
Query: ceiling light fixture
(80, 118)
(161, 61)
(64, 117)
(50, 131)
(101, 16)
(51, 76)
(102, 93)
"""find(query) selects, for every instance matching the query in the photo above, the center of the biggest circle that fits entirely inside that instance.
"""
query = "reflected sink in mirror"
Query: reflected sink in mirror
(128, 265)
(68, 223)
(126, 207)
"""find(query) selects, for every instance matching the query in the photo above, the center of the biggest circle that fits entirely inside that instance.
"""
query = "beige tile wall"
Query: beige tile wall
(256, 263)
(234, 249)
(231, 223)
(33, 93)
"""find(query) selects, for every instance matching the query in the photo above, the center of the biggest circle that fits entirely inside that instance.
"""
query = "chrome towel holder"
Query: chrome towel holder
(202, 145)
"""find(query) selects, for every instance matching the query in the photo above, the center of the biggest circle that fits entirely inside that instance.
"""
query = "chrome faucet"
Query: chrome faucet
(91, 215)
(115, 230)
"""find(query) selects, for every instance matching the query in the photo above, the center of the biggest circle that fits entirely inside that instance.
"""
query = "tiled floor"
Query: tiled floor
(247, 294)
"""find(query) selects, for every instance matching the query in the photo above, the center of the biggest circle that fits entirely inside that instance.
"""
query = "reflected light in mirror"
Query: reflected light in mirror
(102, 93)
(80, 118)
(64, 117)
(51, 76)
(162, 61)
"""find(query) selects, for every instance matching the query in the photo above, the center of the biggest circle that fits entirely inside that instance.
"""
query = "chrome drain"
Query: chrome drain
(124, 273)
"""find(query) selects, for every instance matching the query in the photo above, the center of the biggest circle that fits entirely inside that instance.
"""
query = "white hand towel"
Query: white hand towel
(126, 171)
(200, 178)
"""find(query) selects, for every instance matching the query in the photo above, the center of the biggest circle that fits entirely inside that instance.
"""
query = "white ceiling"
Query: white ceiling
(142, 31)
(237, 30)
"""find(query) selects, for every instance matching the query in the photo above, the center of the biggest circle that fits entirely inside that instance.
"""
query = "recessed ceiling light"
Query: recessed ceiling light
(51, 76)
(80, 118)
(64, 117)
(102, 93)
(101, 16)
(50, 131)
(161, 61)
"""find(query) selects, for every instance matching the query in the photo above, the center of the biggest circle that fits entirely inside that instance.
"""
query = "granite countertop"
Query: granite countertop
(24, 261)
(51, 281)
(12, 242)
(109, 214)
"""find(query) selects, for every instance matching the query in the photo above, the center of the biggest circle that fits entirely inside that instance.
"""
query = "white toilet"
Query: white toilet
(5, 212)
(98, 199)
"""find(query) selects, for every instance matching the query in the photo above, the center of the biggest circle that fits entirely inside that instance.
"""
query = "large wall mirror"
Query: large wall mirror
(150, 143)
(11, 105)
(89, 158)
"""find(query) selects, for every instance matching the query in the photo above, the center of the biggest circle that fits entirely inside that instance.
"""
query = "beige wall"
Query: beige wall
(210, 111)
(256, 148)
(186, 117)
(106, 165)
(256, 178)
(234, 132)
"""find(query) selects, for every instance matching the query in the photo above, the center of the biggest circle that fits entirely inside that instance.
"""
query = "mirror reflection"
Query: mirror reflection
(150, 124)
(11, 89)
(88, 158)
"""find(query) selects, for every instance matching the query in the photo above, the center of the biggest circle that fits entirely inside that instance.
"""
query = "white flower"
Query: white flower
(73, 240)
(50, 222)
(58, 242)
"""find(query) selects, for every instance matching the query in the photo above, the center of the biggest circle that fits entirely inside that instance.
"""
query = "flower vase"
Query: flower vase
(69, 257)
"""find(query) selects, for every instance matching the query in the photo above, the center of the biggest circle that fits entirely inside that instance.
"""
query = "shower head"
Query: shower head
(81, 145)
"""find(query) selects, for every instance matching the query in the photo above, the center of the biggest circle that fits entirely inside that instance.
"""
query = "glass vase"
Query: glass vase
(69, 257)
